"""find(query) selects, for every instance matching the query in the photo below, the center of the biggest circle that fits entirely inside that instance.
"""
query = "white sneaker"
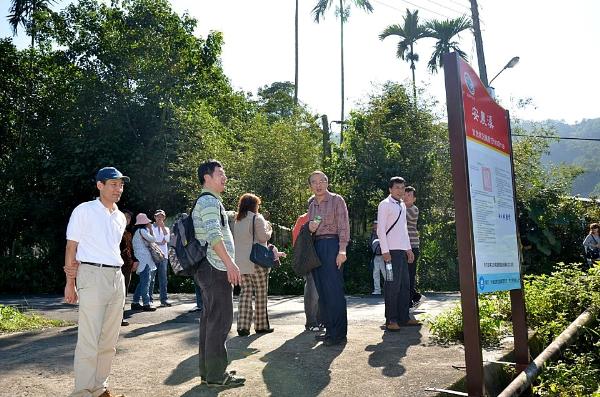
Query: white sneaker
(376, 293)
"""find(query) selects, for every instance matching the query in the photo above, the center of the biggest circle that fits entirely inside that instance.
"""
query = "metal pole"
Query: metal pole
(326, 139)
(524, 379)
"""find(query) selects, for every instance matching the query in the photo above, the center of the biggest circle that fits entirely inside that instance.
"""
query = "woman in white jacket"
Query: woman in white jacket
(142, 236)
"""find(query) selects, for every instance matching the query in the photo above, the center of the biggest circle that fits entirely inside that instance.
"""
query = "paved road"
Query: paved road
(157, 353)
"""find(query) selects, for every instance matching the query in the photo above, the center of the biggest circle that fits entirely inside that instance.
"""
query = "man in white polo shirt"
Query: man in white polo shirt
(395, 248)
(93, 236)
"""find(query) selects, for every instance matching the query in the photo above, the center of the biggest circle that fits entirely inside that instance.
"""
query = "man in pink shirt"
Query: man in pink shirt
(395, 248)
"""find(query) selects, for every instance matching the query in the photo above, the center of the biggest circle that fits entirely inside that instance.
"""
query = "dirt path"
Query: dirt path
(157, 354)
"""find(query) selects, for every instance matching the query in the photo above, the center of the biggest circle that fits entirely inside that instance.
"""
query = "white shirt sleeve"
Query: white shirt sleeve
(76, 224)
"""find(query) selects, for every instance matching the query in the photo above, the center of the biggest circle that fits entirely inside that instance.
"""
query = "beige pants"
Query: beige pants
(101, 300)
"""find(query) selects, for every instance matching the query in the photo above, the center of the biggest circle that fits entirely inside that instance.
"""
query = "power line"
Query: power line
(460, 4)
(448, 8)
(560, 137)
(412, 4)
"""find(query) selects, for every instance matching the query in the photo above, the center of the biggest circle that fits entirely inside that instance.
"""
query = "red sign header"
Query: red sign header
(485, 120)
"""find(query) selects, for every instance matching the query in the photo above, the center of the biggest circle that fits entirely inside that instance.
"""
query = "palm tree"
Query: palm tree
(343, 12)
(21, 12)
(410, 31)
(444, 32)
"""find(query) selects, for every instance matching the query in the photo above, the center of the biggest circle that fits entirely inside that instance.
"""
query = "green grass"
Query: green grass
(12, 320)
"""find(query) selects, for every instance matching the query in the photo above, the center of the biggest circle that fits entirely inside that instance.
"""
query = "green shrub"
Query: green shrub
(437, 267)
(29, 273)
(553, 302)
(12, 320)
(493, 321)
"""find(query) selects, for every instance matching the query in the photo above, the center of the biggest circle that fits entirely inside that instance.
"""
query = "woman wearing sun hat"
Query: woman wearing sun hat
(141, 237)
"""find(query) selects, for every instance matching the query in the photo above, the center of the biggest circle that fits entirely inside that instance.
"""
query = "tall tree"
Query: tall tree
(409, 32)
(444, 31)
(343, 11)
(22, 13)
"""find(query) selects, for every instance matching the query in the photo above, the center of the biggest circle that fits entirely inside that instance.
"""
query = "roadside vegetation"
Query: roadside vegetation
(553, 301)
(13, 320)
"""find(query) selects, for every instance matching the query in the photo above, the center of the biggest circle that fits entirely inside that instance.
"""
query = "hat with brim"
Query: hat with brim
(107, 173)
(142, 219)
(160, 212)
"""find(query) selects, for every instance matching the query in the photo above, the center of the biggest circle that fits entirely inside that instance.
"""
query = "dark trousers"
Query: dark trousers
(397, 292)
(412, 273)
(329, 281)
(215, 322)
(311, 302)
(126, 269)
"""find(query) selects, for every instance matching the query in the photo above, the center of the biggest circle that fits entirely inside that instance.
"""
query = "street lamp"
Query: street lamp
(510, 64)
(341, 123)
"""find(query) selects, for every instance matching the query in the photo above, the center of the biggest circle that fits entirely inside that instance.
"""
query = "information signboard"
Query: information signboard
(490, 173)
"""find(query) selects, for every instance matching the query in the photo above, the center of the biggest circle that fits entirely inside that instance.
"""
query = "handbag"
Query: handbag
(155, 252)
(261, 255)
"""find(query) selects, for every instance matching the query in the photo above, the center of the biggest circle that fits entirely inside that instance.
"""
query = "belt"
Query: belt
(325, 236)
(99, 264)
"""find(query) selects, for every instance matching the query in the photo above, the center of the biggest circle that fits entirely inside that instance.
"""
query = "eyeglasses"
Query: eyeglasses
(320, 182)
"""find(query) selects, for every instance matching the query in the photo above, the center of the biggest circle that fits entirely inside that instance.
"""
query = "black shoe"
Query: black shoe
(165, 304)
(230, 380)
(136, 306)
(265, 331)
(148, 308)
(195, 310)
(415, 304)
(124, 323)
(243, 332)
(321, 337)
(334, 341)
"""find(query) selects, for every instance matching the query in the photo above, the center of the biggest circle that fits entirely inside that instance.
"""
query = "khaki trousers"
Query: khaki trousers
(101, 300)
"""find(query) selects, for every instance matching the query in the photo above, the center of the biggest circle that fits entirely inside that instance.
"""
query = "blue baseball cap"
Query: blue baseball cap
(107, 173)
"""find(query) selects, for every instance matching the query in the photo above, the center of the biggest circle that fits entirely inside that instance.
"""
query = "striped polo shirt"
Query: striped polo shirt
(207, 225)
(412, 216)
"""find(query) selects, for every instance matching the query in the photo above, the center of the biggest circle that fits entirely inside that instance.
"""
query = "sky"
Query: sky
(556, 41)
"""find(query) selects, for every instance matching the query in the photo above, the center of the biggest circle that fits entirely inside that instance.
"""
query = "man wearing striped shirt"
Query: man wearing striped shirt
(395, 248)
(412, 217)
(329, 223)
(215, 276)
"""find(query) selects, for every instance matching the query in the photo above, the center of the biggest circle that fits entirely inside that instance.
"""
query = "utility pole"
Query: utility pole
(326, 139)
(479, 43)
(296, 52)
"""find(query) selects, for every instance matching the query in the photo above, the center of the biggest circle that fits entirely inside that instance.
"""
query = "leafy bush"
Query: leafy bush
(437, 267)
(27, 273)
(553, 302)
(283, 280)
(493, 321)
(12, 320)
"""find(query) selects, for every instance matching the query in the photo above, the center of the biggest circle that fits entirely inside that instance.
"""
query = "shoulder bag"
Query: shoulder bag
(155, 252)
(261, 255)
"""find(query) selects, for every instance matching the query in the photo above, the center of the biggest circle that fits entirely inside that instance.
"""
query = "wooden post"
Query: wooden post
(464, 232)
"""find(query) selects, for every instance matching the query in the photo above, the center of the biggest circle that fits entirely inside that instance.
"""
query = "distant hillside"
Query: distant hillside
(583, 153)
